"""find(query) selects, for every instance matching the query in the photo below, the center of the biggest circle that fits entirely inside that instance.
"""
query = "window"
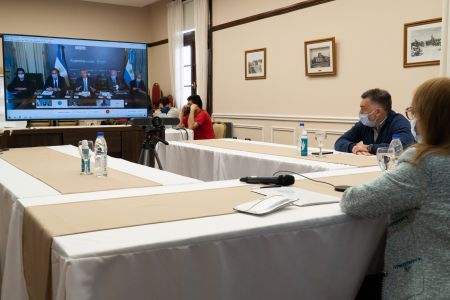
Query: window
(188, 60)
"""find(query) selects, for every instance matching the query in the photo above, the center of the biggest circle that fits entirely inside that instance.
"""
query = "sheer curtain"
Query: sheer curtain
(445, 42)
(201, 20)
(175, 33)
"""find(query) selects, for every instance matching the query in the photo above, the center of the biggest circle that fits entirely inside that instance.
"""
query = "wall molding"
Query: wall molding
(250, 126)
(269, 14)
(289, 118)
(273, 129)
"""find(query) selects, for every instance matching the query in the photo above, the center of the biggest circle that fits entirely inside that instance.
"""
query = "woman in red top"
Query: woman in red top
(194, 117)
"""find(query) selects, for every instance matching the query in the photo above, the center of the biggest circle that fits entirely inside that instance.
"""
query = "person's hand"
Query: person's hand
(364, 153)
(78, 89)
(360, 148)
(49, 89)
(194, 108)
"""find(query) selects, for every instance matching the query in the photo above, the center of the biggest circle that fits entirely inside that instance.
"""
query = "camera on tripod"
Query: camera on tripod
(154, 133)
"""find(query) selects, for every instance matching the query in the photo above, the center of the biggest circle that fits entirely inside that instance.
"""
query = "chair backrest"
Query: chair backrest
(220, 130)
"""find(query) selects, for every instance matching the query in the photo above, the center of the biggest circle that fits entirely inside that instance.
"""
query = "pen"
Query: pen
(270, 186)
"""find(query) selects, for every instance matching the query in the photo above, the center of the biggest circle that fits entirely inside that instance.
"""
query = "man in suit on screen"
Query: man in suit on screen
(84, 83)
(114, 83)
(55, 83)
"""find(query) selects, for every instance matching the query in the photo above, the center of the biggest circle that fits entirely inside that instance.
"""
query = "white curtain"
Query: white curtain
(445, 42)
(175, 33)
(201, 20)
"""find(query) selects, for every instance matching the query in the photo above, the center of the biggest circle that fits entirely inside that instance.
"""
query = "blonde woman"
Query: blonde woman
(416, 196)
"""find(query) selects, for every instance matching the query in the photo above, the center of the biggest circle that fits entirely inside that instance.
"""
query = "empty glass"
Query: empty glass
(320, 137)
(386, 158)
(86, 149)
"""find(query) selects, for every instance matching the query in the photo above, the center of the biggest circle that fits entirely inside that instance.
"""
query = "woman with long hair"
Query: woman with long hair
(416, 196)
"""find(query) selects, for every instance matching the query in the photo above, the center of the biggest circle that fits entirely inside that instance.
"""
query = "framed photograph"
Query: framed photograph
(320, 57)
(422, 43)
(255, 64)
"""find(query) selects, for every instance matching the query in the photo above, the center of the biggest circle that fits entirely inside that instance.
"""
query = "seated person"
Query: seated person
(21, 85)
(114, 83)
(165, 111)
(84, 83)
(377, 123)
(194, 117)
(415, 195)
(137, 85)
(55, 83)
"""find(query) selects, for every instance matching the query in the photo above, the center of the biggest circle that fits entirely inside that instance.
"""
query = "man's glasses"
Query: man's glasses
(410, 114)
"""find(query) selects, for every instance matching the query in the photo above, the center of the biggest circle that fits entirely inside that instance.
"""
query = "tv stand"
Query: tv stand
(123, 141)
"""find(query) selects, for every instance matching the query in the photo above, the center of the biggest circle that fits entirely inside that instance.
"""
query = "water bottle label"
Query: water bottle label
(304, 147)
(82, 165)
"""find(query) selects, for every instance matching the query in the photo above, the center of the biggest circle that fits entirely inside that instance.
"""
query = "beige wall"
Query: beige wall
(158, 57)
(369, 37)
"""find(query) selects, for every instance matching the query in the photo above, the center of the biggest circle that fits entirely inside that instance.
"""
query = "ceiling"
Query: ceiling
(135, 3)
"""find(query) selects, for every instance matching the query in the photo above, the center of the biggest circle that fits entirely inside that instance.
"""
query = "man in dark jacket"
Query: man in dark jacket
(377, 123)
(56, 83)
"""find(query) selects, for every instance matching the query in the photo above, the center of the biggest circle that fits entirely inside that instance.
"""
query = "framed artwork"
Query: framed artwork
(422, 43)
(255, 64)
(320, 57)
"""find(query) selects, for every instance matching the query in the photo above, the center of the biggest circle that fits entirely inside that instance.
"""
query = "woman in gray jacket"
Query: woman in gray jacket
(416, 196)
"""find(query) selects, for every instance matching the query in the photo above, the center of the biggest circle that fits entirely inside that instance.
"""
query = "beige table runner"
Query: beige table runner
(336, 158)
(42, 223)
(62, 171)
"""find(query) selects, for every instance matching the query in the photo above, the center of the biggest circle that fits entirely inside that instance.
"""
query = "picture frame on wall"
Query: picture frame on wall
(422, 43)
(255, 64)
(320, 57)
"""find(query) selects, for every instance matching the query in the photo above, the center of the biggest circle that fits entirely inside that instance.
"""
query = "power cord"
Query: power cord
(338, 188)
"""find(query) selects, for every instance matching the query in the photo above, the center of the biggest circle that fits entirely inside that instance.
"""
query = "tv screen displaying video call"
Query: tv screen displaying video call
(50, 78)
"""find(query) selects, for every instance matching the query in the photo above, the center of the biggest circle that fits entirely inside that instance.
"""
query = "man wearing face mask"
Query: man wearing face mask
(56, 83)
(377, 123)
(113, 82)
(21, 86)
(137, 85)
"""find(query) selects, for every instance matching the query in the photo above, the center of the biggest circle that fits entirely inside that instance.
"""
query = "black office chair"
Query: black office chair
(37, 79)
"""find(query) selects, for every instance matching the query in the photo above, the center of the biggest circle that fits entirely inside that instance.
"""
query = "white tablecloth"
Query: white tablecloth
(297, 253)
(179, 134)
(212, 163)
(15, 184)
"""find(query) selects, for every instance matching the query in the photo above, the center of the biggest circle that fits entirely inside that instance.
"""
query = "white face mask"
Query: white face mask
(364, 118)
(21, 76)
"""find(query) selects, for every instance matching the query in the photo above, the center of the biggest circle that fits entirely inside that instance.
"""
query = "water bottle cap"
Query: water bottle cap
(302, 124)
(100, 134)
(396, 136)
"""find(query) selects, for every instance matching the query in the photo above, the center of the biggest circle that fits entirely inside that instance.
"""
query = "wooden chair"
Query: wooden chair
(220, 130)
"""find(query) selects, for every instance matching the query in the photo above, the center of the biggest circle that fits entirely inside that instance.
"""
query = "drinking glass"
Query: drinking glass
(320, 137)
(86, 154)
(386, 158)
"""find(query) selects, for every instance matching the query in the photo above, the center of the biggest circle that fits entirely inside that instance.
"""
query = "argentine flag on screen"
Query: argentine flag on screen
(60, 64)
(129, 74)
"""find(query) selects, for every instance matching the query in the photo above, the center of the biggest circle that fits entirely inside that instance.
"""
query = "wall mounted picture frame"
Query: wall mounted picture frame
(422, 43)
(320, 57)
(255, 64)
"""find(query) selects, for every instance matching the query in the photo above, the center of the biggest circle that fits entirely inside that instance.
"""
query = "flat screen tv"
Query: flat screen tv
(49, 78)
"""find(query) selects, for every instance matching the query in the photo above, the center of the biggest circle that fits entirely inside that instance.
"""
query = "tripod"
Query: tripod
(149, 153)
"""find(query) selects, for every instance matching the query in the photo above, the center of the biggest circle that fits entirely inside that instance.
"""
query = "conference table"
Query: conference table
(306, 252)
(224, 159)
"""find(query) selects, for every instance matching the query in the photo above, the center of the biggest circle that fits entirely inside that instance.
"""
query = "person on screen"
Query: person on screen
(415, 195)
(138, 85)
(55, 82)
(377, 123)
(198, 119)
(165, 110)
(21, 85)
(113, 82)
(84, 83)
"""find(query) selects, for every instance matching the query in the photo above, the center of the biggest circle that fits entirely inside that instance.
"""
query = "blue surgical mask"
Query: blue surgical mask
(21, 76)
(417, 136)
(138, 80)
(113, 78)
(55, 76)
(364, 118)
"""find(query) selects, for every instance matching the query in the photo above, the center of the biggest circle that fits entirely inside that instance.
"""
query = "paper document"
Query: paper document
(47, 93)
(306, 198)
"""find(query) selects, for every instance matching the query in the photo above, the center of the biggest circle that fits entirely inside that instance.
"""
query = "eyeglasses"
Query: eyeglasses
(410, 113)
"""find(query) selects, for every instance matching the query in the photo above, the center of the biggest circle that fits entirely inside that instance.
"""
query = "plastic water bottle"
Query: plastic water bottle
(85, 152)
(396, 144)
(303, 140)
(101, 151)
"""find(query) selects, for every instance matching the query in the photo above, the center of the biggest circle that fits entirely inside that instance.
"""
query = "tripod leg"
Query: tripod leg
(157, 159)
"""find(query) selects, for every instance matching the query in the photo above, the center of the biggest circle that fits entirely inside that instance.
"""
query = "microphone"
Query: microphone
(282, 180)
